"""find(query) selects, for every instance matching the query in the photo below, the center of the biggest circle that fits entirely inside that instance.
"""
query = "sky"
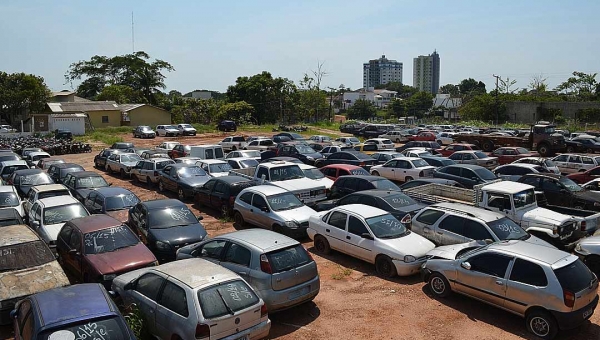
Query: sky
(211, 43)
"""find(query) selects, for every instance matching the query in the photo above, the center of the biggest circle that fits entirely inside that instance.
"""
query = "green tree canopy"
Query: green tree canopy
(362, 109)
(483, 107)
(450, 89)
(121, 94)
(21, 93)
(471, 87)
(581, 84)
(240, 112)
(404, 91)
(419, 104)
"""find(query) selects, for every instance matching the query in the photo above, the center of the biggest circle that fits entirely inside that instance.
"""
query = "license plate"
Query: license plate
(587, 313)
(566, 236)
(295, 294)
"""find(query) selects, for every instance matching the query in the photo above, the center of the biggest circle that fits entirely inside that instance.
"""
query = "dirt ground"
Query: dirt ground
(354, 303)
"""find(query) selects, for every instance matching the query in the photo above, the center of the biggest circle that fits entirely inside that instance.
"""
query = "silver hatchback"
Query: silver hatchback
(550, 288)
(279, 269)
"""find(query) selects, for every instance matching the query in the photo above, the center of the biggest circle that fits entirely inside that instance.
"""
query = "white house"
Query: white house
(381, 98)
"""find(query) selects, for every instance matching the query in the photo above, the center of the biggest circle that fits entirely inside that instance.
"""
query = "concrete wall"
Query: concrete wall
(114, 118)
(149, 115)
(525, 112)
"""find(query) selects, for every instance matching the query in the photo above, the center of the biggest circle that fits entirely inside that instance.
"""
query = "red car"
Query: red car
(334, 171)
(426, 136)
(97, 248)
(179, 150)
(586, 176)
(450, 149)
(510, 154)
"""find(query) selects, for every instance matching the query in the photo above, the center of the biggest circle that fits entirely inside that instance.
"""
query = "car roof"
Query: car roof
(266, 189)
(85, 174)
(49, 187)
(543, 174)
(366, 211)
(112, 191)
(231, 179)
(541, 253)
(265, 240)
(66, 165)
(508, 187)
(196, 272)
(162, 203)
(467, 166)
(25, 172)
(56, 201)
(17, 234)
(520, 165)
(485, 215)
(76, 301)
(377, 192)
(158, 159)
(343, 166)
(182, 165)
(92, 223)
(7, 188)
(369, 178)
(212, 161)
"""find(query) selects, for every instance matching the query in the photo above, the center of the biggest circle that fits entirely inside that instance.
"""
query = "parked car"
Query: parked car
(328, 150)
(8, 167)
(207, 151)
(45, 163)
(199, 300)
(562, 191)
(418, 152)
(466, 174)
(593, 185)
(97, 248)
(215, 167)
(63, 134)
(82, 182)
(548, 164)
(219, 193)
(271, 207)
(437, 162)
(186, 130)
(403, 169)
(372, 235)
(10, 217)
(513, 172)
(32, 158)
(445, 138)
(260, 144)
(165, 225)
(147, 170)
(368, 149)
(425, 181)
(9, 199)
(568, 164)
(167, 130)
(450, 149)
(474, 157)
(510, 154)
(27, 151)
(23, 180)
(112, 201)
(384, 156)
(585, 176)
(233, 143)
(122, 145)
(316, 175)
(550, 288)
(227, 125)
(345, 185)
(334, 171)
(43, 191)
(396, 136)
(37, 316)
(122, 163)
(347, 157)
(278, 267)
(419, 144)
(303, 152)
(166, 146)
(27, 267)
(348, 141)
(242, 163)
(152, 154)
(59, 171)
(100, 158)
(187, 160)
(586, 144)
(181, 179)
(291, 135)
(254, 154)
(143, 131)
(48, 215)
(382, 143)
(179, 150)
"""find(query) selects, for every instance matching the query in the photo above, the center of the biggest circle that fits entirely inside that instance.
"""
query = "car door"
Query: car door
(169, 178)
(356, 244)
(173, 308)
(219, 196)
(575, 164)
(88, 202)
(469, 177)
(387, 170)
(482, 276)
(523, 285)
(145, 294)
(449, 230)
(561, 162)
(261, 212)
(555, 193)
(402, 170)
(592, 174)
(237, 258)
(335, 230)
(75, 260)
(203, 196)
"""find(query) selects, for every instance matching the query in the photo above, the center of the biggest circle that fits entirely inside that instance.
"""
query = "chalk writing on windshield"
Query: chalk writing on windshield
(280, 172)
(180, 214)
(238, 292)
(92, 331)
(6, 252)
(401, 201)
(508, 228)
(110, 233)
(278, 200)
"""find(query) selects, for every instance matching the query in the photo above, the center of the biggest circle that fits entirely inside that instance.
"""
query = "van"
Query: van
(207, 152)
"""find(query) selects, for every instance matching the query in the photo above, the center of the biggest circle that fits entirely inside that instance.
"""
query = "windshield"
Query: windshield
(24, 255)
(160, 165)
(91, 182)
(248, 163)
(303, 149)
(252, 153)
(223, 167)
(419, 163)
(550, 130)
(226, 298)
(36, 179)
(121, 202)
(385, 184)
(359, 172)
(8, 170)
(64, 213)
(386, 226)
(524, 198)
(288, 258)
(285, 201)
(171, 217)
(130, 158)
(399, 200)
(108, 328)
(574, 277)
(186, 125)
(191, 171)
(522, 150)
(480, 154)
(313, 174)
(353, 140)
(145, 128)
(107, 240)
(8, 199)
(505, 229)
(485, 174)
(549, 163)
(285, 173)
(572, 186)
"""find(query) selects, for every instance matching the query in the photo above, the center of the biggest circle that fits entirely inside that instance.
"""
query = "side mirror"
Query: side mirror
(466, 265)
(129, 285)
(265, 209)
(199, 217)
(35, 223)
(366, 236)
(110, 184)
(488, 241)
(13, 314)
(73, 251)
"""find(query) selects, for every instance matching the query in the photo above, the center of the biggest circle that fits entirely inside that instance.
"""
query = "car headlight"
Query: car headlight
(310, 158)
(108, 277)
(409, 258)
(292, 224)
(162, 245)
(596, 204)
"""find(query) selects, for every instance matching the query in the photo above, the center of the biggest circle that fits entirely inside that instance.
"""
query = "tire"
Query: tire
(385, 267)
(239, 219)
(439, 285)
(278, 229)
(122, 173)
(593, 262)
(398, 140)
(439, 142)
(589, 150)
(322, 245)
(161, 186)
(544, 150)
(233, 148)
(542, 324)
(570, 149)
(375, 173)
(181, 194)
(148, 180)
(487, 146)
(407, 179)
(135, 179)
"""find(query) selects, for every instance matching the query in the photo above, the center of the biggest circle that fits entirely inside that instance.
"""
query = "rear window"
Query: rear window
(9, 199)
(111, 328)
(574, 277)
(107, 240)
(171, 217)
(288, 258)
(46, 194)
(226, 298)
(120, 202)
(399, 200)
(385, 184)
(24, 255)
(430, 216)
(238, 139)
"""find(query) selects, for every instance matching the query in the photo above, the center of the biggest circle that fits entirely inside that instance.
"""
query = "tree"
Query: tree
(581, 85)
(505, 86)
(133, 70)
(538, 84)
(240, 112)
(450, 89)
(483, 107)
(196, 111)
(403, 91)
(21, 93)
(471, 87)
(318, 74)
(397, 108)
(419, 103)
(121, 94)
(362, 109)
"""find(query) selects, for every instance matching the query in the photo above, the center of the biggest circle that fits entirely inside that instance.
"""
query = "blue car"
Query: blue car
(83, 311)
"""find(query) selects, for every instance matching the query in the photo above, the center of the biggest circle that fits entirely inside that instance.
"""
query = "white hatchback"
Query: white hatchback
(370, 234)
(382, 143)
(403, 169)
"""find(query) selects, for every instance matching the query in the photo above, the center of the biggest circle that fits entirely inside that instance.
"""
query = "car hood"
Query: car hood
(544, 215)
(121, 215)
(590, 241)
(326, 182)
(411, 244)
(124, 259)
(449, 252)
(130, 164)
(219, 174)
(314, 155)
(301, 214)
(52, 230)
(189, 129)
(588, 195)
(179, 235)
(194, 181)
(299, 184)
(20, 283)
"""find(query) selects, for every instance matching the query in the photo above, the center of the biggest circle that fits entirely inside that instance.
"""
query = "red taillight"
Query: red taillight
(569, 298)
(407, 219)
(263, 310)
(202, 331)
(361, 164)
(583, 225)
(265, 266)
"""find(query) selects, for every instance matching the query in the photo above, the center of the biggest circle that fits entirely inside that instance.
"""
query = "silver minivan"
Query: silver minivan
(279, 269)
(550, 288)
(146, 170)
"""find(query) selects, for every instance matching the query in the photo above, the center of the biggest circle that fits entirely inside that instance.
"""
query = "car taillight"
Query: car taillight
(263, 310)
(407, 219)
(583, 225)
(202, 331)
(265, 266)
(569, 298)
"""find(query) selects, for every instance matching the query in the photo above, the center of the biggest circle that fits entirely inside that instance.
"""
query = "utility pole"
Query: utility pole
(497, 78)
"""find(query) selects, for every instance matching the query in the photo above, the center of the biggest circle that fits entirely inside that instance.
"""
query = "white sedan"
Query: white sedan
(382, 143)
(445, 138)
(403, 169)
(372, 235)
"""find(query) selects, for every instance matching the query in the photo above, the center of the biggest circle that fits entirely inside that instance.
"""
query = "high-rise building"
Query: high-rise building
(426, 72)
(381, 71)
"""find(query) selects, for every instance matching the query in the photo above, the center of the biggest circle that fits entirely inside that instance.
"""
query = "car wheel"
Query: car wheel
(122, 173)
(439, 285)
(375, 173)
(161, 186)
(180, 194)
(542, 324)
(589, 151)
(593, 262)
(570, 149)
(233, 148)
(384, 266)
(408, 179)
(322, 245)
(134, 178)
(148, 180)
(239, 219)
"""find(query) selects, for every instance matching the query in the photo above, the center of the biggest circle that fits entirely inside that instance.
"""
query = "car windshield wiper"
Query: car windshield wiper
(225, 303)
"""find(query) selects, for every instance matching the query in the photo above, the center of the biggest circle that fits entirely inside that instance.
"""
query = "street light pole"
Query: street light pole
(497, 77)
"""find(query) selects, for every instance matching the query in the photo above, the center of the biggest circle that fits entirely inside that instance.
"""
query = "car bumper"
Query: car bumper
(407, 269)
(188, 133)
(425, 274)
(573, 319)
(278, 300)
(255, 332)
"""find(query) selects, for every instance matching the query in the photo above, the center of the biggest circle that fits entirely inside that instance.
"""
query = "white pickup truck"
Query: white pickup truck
(516, 201)
(285, 175)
